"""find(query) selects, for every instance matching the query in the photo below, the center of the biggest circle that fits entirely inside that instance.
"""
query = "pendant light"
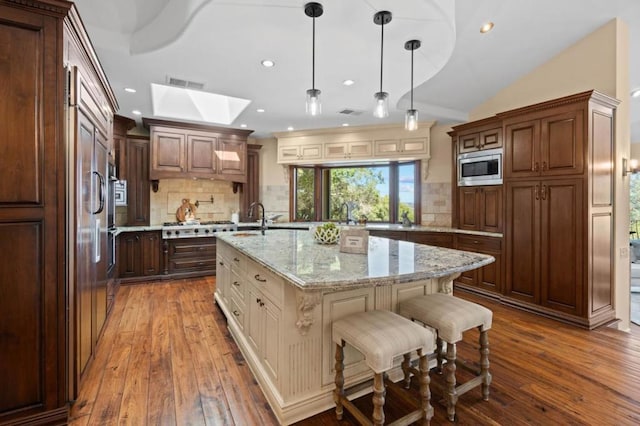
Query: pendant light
(381, 108)
(411, 117)
(314, 107)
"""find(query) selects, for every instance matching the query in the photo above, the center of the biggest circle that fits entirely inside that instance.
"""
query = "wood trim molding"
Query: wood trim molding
(152, 122)
(59, 8)
(567, 100)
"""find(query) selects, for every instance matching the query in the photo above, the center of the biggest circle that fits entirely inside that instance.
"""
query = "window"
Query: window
(375, 193)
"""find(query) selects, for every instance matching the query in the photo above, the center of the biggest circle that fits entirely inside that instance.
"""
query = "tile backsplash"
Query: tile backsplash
(436, 204)
(166, 201)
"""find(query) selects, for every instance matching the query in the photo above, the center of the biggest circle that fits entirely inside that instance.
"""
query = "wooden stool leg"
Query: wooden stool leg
(425, 392)
(338, 393)
(406, 364)
(484, 364)
(378, 399)
(450, 368)
(439, 354)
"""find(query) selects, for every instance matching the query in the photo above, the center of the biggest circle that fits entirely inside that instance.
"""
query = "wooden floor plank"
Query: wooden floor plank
(184, 367)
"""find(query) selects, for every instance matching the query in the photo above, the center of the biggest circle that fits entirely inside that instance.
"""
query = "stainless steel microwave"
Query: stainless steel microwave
(480, 168)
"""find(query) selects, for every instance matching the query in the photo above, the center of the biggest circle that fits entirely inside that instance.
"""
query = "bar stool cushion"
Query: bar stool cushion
(382, 335)
(450, 315)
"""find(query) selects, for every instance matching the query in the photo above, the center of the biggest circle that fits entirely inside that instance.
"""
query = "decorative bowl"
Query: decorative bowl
(326, 235)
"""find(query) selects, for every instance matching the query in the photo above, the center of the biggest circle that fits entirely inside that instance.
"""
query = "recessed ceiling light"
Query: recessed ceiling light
(130, 90)
(268, 63)
(289, 128)
(243, 125)
(136, 112)
(348, 82)
(345, 124)
(635, 93)
(485, 28)
(260, 110)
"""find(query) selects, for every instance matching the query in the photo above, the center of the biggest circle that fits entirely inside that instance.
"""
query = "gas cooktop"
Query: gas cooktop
(172, 230)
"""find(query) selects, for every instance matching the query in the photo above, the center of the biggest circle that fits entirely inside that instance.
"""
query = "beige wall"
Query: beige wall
(598, 61)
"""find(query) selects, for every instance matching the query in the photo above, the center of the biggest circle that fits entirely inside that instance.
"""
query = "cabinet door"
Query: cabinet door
(562, 245)
(336, 150)
(468, 142)
(223, 277)
(310, 152)
(271, 343)
(522, 156)
(489, 277)
(130, 255)
(562, 144)
(138, 185)
(414, 146)
(490, 139)
(386, 147)
(254, 318)
(151, 251)
(288, 154)
(167, 153)
(201, 155)
(522, 240)
(490, 208)
(232, 157)
(468, 208)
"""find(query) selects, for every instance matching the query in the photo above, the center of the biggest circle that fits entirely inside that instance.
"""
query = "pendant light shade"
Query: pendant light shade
(411, 117)
(381, 108)
(314, 106)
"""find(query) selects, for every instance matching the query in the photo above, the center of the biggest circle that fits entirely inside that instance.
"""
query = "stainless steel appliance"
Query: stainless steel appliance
(480, 168)
(172, 230)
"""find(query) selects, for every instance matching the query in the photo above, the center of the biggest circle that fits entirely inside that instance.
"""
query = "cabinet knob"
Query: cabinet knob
(536, 167)
(236, 283)
(221, 263)
(236, 313)
(544, 166)
(235, 259)
(258, 278)
(261, 303)
(258, 300)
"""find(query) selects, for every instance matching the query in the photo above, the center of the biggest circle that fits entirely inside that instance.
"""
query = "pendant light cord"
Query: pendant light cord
(381, 52)
(313, 56)
(412, 78)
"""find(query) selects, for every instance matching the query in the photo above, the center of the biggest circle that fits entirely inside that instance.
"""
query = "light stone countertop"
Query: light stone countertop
(121, 229)
(295, 256)
(375, 227)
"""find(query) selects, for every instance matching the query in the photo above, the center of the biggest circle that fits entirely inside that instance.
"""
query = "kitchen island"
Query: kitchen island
(282, 291)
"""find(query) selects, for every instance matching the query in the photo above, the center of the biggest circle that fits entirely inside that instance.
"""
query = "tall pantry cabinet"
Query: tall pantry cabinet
(38, 256)
(558, 174)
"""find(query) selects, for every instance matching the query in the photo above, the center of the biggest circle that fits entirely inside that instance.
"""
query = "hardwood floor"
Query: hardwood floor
(166, 357)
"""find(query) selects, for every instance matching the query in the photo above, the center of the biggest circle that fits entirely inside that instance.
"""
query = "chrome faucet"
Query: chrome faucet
(263, 226)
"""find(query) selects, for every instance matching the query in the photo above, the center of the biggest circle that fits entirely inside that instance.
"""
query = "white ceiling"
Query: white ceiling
(221, 43)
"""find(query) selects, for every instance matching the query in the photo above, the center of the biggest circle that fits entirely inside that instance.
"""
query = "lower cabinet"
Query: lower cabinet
(263, 329)
(439, 239)
(139, 255)
(190, 256)
(487, 279)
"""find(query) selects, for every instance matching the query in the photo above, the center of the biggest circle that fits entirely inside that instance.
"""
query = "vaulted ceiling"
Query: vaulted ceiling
(221, 43)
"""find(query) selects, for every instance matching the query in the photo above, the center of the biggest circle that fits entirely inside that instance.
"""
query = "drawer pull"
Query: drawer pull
(236, 313)
(200, 263)
(257, 277)
(476, 242)
(236, 283)
(221, 263)
(261, 304)
(236, 259)
(258, 300)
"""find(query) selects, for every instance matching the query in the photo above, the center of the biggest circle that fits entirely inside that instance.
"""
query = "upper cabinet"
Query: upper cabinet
(548, 143)
(376, 143)
(185, 150)
(478, 135)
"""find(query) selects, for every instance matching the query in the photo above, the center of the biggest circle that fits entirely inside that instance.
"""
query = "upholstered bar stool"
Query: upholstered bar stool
(450, 317)
(380, 336)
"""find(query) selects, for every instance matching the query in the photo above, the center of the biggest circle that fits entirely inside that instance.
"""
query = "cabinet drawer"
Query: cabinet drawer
(237, 286)
(192, 264)
(271, 285)
(192, 247)
(236, 308)
(440, 239)
(478, 243)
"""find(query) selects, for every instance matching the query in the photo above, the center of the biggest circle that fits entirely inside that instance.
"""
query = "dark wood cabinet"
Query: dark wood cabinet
(138, 184)
(139, 255)
(545, 242)
(250, 191)
(480, 208)
(191, 257)
(439, 239)
(187, 150)
(121, 125)
(487, 279)
(392, 235)
(478, 135)
(558, 214)
(552, 145)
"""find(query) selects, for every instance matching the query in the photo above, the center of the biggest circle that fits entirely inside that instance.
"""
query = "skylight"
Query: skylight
(195, 105)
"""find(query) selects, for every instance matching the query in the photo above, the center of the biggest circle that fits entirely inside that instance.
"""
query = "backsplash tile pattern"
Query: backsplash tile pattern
(166, 201)
(436, 204)
(276, 200)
